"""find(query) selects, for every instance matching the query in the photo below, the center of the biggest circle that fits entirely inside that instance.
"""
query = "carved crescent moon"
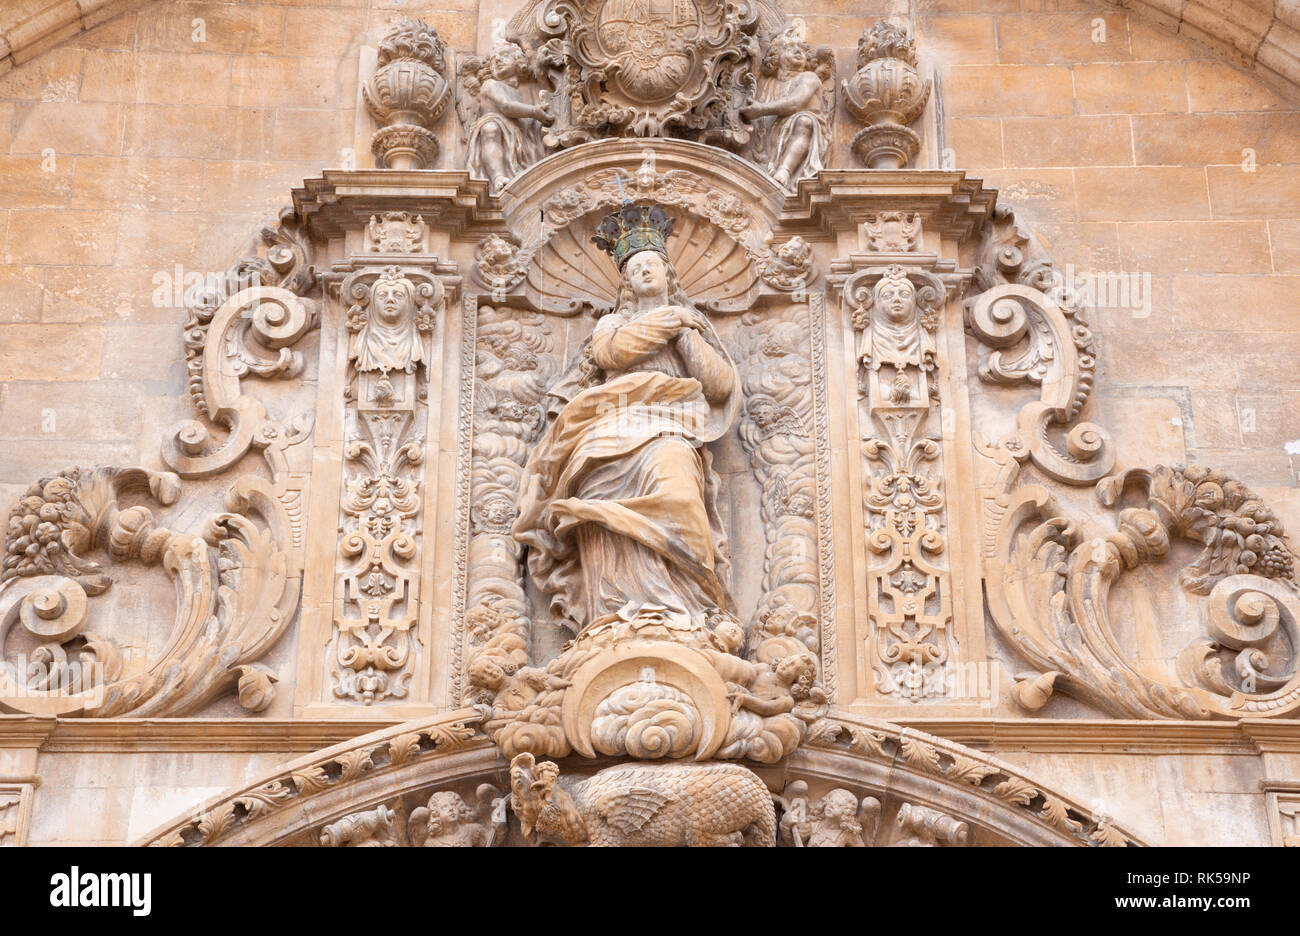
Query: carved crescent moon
(680, 667)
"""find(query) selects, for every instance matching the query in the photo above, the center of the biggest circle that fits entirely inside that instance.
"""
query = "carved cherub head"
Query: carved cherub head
(507, 62)
(447, 810)
(788, 53)
(728, 632)
(486, 673)
(797, 669)
(839, 808)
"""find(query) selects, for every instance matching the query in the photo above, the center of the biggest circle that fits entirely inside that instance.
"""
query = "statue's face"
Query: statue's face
(730, 633)
(449, 813)
(791, 668)
(486, 673)
(895, 298)
(507, 63)
(793, 58)
(647, 274)
(390, 301)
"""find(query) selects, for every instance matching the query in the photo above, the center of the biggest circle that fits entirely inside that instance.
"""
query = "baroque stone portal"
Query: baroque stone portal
(627, 458)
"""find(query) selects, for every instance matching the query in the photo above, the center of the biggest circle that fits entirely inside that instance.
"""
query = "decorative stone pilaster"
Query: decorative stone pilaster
(886, 93)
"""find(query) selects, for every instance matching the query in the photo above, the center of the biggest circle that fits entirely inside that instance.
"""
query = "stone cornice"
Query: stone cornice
(25, 731)
(187, 735)
(1110, 736)
(346, 198)
(1082, 736)
(948, 201)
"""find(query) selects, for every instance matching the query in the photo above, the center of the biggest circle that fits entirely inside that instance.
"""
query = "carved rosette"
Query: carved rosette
(406, 95)
(886, 93)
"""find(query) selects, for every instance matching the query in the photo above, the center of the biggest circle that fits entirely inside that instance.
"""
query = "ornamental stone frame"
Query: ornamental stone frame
(910, 485)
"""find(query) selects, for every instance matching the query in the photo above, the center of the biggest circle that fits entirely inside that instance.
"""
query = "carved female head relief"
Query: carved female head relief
(895, 296)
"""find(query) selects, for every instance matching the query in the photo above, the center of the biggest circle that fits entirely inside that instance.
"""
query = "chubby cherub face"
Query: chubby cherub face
(730, 632)
(792, 668)
(793, 57)
(483, 672)
(507, 62)
(839, 807)
(446, 810)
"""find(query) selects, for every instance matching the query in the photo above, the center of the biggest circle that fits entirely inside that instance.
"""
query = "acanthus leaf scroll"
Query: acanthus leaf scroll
(1045, 555)
(238, 582)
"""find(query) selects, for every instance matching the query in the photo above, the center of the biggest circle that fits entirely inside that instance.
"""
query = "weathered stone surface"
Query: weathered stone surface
(1150, 155)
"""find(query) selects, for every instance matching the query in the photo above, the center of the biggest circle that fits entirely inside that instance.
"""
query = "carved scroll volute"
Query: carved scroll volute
(1004, 317)
(1051, 574)
(236, 593)
(251, 333)
(1023, 304)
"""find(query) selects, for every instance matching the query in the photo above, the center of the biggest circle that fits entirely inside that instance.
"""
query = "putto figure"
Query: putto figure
(449, 822)
(793, 108)
(619, 503)
(499, 123)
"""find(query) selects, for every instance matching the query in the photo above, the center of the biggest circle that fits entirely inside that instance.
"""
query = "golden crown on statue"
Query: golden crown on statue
(634, 228)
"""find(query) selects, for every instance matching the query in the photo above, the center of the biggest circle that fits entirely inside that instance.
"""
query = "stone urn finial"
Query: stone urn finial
(886, 93)
(406, 94)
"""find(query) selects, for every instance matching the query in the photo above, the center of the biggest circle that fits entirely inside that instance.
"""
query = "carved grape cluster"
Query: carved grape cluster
(34, 542)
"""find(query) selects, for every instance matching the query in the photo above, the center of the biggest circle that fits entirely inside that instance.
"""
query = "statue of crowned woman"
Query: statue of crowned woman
(619, 503)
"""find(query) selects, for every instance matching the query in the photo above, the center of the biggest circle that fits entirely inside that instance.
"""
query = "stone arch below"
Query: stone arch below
(924, 790)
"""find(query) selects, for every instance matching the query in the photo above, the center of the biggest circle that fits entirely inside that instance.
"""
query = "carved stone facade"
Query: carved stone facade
(668, 444)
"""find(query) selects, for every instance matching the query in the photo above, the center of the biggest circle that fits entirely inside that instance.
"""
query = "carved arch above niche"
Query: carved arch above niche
(906, 788)
(723, 247)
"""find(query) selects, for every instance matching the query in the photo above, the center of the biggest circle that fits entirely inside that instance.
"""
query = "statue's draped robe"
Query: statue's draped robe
(384, 347)
(899, 344)
(777, 136)
(514, 142)
(619, 503)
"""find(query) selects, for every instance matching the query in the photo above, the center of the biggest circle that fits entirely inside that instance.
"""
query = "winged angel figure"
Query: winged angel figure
(793, 107)
(501, 124)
